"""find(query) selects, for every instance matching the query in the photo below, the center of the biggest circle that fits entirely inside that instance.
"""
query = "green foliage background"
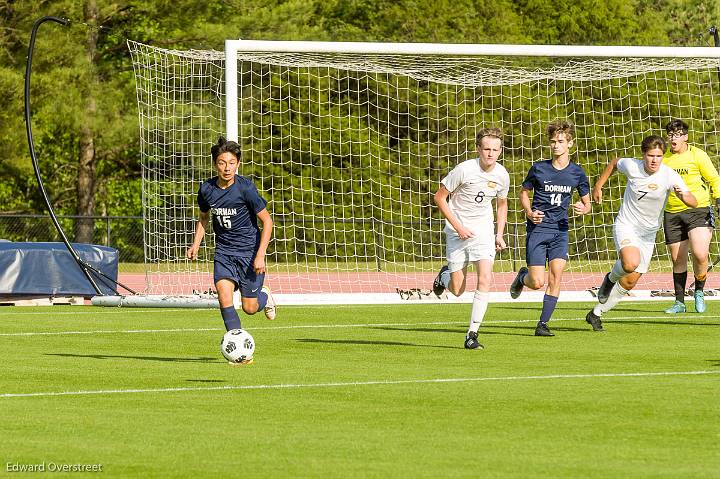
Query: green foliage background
(61, 71)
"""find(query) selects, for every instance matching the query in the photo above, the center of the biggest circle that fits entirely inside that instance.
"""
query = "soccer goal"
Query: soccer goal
(348, 142)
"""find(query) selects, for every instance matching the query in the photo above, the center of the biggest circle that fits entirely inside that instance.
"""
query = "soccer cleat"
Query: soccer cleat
(244, 362)
(471, 341)
(438, 286)
(517, 285)
(594, 321)
(604, 290)
(270, 307)
(677, 308)
(699, 302)
(543, 330)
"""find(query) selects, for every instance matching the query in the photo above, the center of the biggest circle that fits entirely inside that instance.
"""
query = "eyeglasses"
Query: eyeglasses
(677, 134)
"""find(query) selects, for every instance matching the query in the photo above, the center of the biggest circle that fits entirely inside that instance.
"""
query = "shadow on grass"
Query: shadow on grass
(530, 329)
(360, 342)
(660, 322)
(483, 330)
(419, 329)
(714, 363)
(205, 380)
(490, 329)
(141, 358)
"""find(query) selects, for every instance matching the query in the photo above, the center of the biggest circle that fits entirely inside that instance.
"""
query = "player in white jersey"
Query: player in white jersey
(649, 183)
(465, 200)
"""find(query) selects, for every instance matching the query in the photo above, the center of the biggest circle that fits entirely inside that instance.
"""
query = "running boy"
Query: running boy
(546, 241)
(465, 200)
(649, 183)
(240, 245)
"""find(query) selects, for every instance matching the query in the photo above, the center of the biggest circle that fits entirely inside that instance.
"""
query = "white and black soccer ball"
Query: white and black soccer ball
(237, 345)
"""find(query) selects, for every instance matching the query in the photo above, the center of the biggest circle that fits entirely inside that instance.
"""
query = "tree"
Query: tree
(86, 180)
(83, 99)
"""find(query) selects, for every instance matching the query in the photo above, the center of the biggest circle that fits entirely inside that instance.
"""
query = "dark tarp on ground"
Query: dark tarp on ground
(48, 269)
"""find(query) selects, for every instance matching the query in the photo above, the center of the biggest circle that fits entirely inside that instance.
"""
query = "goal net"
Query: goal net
(349, 148)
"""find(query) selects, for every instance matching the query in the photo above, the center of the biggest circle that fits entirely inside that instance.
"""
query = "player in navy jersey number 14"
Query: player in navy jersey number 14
(240, 245)
(552, 183)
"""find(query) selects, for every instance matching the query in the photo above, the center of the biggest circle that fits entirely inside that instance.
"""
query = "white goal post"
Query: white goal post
(348, 141)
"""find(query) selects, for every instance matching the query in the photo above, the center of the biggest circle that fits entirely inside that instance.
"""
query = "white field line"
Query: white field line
(127, 311)
(390, 382)
(332, 326)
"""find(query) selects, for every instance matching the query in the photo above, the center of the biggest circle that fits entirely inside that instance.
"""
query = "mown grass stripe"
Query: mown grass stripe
(357, 383)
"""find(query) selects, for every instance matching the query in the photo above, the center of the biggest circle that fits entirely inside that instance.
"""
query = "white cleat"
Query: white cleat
(270, 307)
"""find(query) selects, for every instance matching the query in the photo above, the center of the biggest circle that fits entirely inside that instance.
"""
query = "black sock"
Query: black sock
(699, 284)
(680, 280)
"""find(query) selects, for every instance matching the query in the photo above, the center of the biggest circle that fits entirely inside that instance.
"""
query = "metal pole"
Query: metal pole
(716, 35)
(33, 156)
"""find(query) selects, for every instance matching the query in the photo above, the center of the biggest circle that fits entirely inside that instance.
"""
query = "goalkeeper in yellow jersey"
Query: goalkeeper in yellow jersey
(689, 229)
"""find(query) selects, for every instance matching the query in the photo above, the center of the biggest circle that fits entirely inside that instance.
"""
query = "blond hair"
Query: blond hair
(492, 132)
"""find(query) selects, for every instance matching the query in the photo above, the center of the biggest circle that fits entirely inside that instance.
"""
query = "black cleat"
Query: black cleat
(517, 285)
(471, 341)
(604, 291)
(438, 287)
(543, 330)
(594, 321)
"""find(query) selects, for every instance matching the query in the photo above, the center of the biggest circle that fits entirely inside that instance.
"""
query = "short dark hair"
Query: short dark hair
(492, 132)
(677, 125)
(224, 146)
(652, 142)
(561, 126)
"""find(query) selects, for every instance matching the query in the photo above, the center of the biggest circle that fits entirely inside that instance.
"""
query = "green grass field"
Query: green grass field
(363, 391)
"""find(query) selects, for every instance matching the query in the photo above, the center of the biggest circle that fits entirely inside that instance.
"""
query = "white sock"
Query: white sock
(617, 272)
(616, 294)
(445, 278)
(479, 306)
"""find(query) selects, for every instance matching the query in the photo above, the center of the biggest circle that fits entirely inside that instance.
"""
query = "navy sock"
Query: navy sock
(679, 281)
(262, 300)
(549, 303)
(230, 317)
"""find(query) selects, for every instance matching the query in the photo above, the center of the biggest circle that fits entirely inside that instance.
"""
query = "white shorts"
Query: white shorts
(627, 235)
(460, 253)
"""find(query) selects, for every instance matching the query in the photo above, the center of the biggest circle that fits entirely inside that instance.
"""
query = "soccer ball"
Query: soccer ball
(237, 345)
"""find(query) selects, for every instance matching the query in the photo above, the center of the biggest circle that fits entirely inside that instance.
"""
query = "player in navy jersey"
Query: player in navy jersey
(240, 245)
(552, 183)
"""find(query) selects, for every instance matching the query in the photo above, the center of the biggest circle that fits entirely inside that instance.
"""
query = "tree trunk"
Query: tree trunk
(86, 181)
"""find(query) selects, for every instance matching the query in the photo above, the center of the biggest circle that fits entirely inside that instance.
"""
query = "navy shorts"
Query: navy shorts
(543, 245)
(239, 270)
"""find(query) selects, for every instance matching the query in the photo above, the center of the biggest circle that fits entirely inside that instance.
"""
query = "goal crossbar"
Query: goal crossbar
(232, 47)
(462, 49)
